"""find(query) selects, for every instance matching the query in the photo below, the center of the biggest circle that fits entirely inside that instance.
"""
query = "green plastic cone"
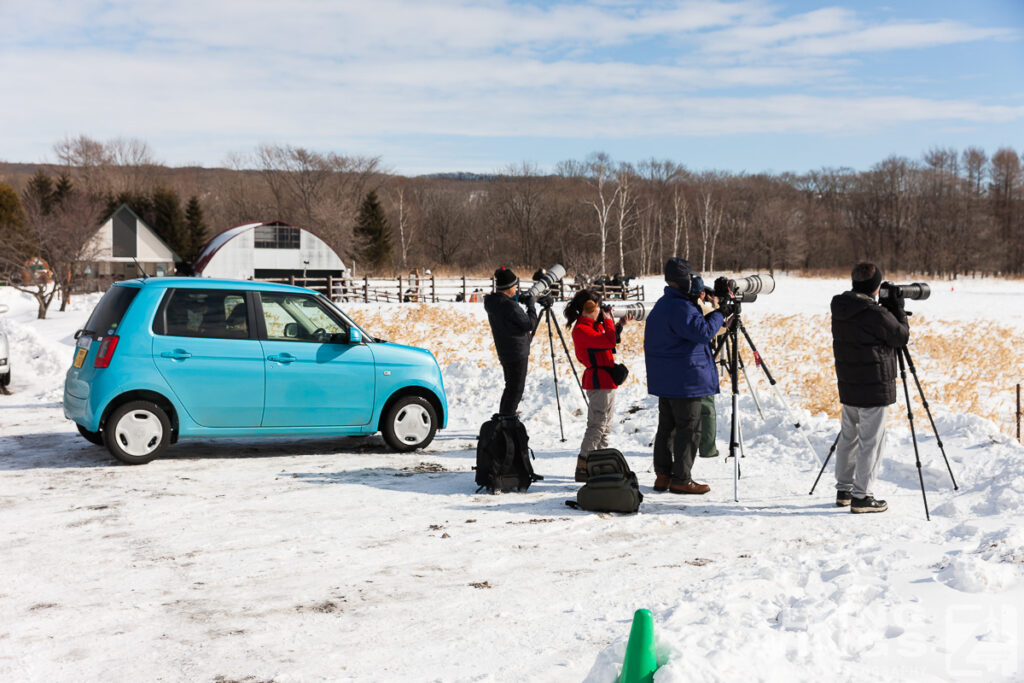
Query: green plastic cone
(641, 661)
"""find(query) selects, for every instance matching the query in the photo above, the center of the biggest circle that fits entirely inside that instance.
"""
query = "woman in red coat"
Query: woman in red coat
(594, 336)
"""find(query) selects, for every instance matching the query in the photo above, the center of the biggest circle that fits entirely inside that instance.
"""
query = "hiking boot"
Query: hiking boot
(581, 469)
(843, 498)
(868, 504)
(691, 487)
(661, 482)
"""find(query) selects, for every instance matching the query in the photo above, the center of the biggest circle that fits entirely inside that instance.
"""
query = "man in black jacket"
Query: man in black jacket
(865, 340)
(512, 328)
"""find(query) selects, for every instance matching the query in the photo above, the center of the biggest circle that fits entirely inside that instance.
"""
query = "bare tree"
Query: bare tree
(598, 173)
(402, 211)
(709, 222)
(58, 231)
(445, 223)
(626, 214)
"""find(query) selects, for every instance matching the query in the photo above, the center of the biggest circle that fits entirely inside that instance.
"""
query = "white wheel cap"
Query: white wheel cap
(412, 424)
(138, 432)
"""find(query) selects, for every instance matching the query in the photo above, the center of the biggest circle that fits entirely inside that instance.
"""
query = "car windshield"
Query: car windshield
(366, 335)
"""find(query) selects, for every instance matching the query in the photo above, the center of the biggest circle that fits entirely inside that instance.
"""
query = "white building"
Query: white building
(267, 250)
(120, 242)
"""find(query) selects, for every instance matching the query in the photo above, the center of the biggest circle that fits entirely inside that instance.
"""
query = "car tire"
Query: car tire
(409, 424)
(137, 432)
(6, 379)
(91, 437)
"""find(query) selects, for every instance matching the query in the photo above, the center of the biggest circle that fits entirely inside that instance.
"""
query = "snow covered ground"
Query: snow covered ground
(333, 559)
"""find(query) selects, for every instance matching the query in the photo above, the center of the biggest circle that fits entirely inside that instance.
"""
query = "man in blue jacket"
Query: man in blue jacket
(680, 371)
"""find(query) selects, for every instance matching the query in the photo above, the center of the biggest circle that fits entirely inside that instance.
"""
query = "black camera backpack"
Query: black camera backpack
(611, 486)
(503, 456)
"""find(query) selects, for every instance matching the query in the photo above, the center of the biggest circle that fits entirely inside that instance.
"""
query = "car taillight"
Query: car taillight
(106, 351)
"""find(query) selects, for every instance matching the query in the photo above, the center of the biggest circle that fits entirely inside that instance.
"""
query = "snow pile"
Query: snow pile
(334, 559)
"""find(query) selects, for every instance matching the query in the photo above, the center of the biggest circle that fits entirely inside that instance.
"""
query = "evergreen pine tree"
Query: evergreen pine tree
(62, 189)
(12, 216)
(196, 228)
(372, 236)
(40, 191)
(169, 221)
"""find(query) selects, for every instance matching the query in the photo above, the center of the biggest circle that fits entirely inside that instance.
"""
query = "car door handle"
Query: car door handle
(176, 354)
(281, 358)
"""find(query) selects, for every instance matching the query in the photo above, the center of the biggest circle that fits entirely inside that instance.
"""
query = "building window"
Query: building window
(277, 237)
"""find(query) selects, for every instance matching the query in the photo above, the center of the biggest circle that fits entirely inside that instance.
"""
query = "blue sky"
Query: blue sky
(477, 85)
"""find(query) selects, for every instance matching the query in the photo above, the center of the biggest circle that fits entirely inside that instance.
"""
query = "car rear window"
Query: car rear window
(108, 312)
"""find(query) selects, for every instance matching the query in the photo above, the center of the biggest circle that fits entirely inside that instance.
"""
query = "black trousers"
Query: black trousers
(515, 384)
(683, 416)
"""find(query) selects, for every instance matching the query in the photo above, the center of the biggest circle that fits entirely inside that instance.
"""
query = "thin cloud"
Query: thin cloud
(328, 73)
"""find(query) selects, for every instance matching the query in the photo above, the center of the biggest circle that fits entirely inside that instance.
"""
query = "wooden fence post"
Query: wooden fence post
(433, 290)
(366, 289)
(465, 297)
(291, 279)
(330, 287)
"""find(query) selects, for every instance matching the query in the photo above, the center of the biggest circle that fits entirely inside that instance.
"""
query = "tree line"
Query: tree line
(948, 213)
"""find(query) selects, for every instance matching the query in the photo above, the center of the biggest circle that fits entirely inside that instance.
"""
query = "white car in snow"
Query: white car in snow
(5, 361)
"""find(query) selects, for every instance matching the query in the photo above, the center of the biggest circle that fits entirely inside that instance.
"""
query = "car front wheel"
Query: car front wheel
(410, 424)
(137, 432)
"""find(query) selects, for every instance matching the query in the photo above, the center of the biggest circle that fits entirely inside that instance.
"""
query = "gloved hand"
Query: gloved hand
(895, 303)
(526, 300)
(546, 301)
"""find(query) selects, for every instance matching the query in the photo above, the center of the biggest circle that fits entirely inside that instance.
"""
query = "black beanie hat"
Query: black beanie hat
(504, 279)
(870, 285)
(678, 270)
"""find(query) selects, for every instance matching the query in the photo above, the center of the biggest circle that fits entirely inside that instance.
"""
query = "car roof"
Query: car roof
(212, 283)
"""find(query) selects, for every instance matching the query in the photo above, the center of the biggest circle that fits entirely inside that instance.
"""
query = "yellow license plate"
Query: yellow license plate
(80, 357)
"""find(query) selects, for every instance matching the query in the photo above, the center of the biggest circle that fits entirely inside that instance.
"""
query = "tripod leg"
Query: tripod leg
(928, 411)
(913, 435)
(825, 464)
(753, 392)
(734, 437)
(554, 373)
(739, 432)
(568, 357)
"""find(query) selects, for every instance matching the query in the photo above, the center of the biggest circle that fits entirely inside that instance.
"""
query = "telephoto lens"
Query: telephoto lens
(753, 284)
(913, 290)
(637, 309)
(541, 286)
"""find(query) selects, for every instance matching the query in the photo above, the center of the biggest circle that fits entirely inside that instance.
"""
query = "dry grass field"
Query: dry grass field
(963, 366)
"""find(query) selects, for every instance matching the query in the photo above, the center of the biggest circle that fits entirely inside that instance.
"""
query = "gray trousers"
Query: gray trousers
(859, 450)
(599, 420)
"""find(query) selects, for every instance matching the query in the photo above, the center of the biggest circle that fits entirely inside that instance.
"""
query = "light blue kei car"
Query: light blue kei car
(162, 359)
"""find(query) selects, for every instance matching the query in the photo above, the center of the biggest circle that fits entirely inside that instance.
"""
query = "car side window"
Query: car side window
(209, 313)
(296, 317)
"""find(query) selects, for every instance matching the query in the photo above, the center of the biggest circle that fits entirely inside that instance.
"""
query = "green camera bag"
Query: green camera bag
(611, 486)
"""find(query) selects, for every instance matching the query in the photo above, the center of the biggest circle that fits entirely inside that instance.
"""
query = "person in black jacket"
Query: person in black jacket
(865, 340)
(512, 328)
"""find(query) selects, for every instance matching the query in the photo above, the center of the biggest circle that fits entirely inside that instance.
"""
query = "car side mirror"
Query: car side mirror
(354, 336)
(291, 330)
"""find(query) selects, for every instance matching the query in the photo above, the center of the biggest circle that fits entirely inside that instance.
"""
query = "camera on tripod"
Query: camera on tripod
(731, 292)
(889, 292)
(546, 281)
